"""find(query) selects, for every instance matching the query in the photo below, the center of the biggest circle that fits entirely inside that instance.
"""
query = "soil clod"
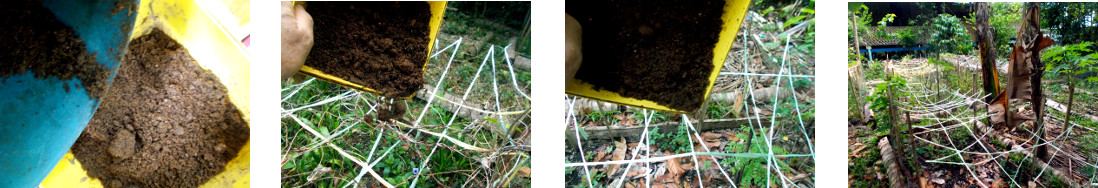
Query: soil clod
(122, 145)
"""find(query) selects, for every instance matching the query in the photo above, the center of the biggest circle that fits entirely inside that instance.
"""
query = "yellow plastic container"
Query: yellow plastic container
(734, 11)
(213, 47)
(438, 9)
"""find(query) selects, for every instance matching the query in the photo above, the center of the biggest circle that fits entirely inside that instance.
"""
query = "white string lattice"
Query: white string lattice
(954, 112)
(783, 79)
(350, 100)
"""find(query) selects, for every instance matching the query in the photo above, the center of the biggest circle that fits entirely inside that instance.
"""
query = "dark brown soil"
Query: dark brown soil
(165, 122)
(34, 40)
(380, 45)
(385, 112)
(654, 50)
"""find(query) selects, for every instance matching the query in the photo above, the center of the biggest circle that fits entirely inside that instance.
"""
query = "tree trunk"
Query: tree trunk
(1032, 16)
(1071, 100)
(986, 40)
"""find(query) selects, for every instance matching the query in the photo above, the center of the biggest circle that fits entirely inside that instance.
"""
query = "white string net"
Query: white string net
(491, 134)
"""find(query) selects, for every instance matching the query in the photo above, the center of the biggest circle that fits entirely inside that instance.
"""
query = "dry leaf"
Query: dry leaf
(738, 106)
(636, 173)
(618, 154)
(938, 181)
(711, 143)
(730, 136)
(674, 169)
(318, 172)
(602, 153)
(710, 135)
(923, 183)
(857, 152)
(686, 167)
(525, 172)
(999, 183)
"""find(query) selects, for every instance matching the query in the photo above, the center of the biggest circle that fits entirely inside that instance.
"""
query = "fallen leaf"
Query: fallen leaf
(857, 152)
(686, 167)
(999, 183)
(618, 154)
(636, 173)
(710, 135)
(525, 172)
(737, 106)
(730, 136)
(318, 172)
(602, 153)
(922, 182)
(938, 181)
(674, 168)
(711, 143)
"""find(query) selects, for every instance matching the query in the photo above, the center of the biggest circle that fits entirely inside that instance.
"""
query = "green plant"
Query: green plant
(595, 176)
(948, 35)
(752, 170)
(879, 101)
(908, 37)
(864, 18)
(946, 66)
(677, 142)
(881, 33)
(1070, 21)
(808, 42)
(718, 109)
(1003, 16)
(1073, 60)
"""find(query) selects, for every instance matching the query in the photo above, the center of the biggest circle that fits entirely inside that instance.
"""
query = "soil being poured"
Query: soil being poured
(380, 45)
(660, 51)
(34, 40)
(165, 122)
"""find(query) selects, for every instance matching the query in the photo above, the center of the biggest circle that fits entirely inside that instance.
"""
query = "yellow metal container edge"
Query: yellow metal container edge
(187, 23)
(734, 11)
(438, 10)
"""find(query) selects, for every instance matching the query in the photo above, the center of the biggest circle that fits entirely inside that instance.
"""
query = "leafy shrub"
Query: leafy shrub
(949, 35)
(1075, 59)
(879, 101)
(908, 37)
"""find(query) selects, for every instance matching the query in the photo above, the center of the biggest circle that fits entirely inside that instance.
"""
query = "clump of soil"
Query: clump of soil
(655, 50)
(396, 110)
(165, 122)
(34, 40)
(380, 45)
